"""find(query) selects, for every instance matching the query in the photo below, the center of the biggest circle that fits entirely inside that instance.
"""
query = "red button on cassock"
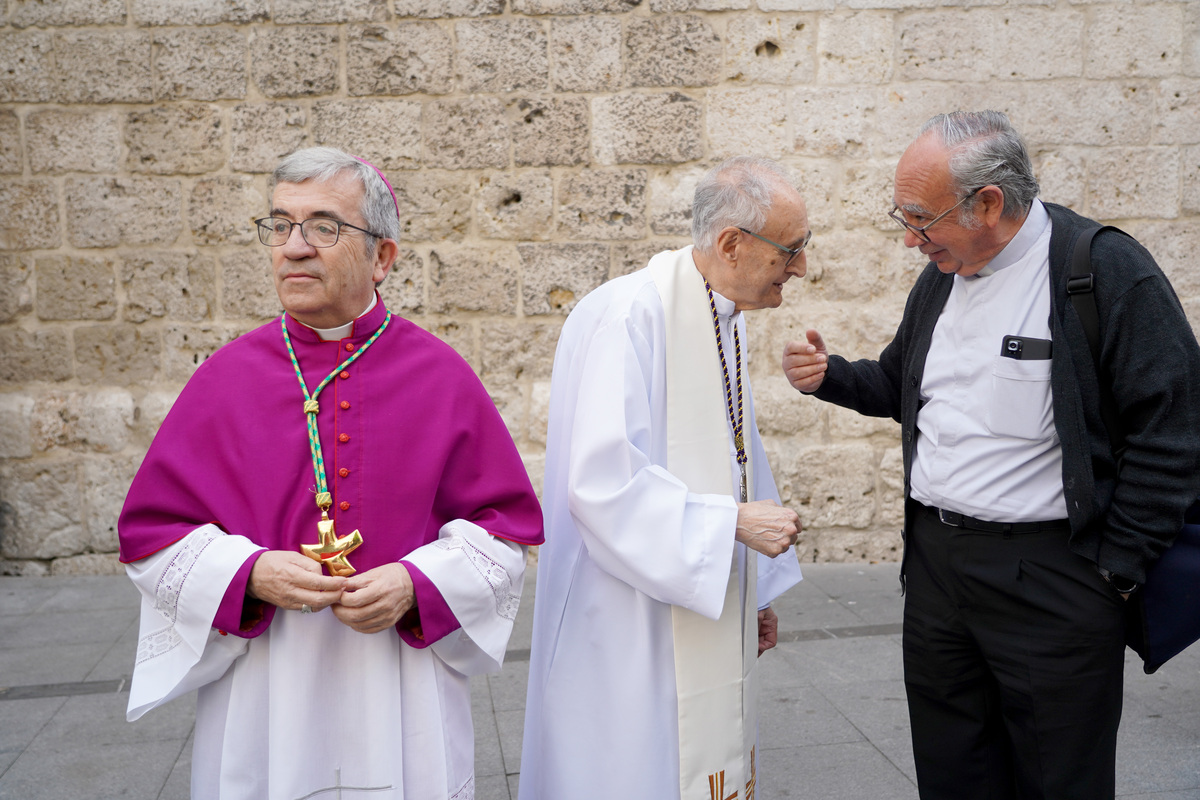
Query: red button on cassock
(345, 404)
(344, 374)
(349, 347)
(343, 472)
(344, 506)
(345, 437)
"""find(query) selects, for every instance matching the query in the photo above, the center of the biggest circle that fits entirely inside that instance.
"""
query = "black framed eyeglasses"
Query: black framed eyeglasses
(317, 231)
(920, 232)
(792, 252)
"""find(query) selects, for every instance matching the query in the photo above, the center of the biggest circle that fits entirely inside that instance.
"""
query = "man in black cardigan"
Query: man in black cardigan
(1023, 535)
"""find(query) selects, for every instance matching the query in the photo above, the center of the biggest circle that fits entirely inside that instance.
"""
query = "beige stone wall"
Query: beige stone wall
(538, 147)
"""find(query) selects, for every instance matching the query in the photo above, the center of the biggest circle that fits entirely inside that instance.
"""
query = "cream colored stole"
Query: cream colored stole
(715, 661)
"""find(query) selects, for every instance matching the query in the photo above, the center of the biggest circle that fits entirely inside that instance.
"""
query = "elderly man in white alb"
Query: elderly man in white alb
(665, 540)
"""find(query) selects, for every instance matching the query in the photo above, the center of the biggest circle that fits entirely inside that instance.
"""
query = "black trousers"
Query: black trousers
(1013, 664)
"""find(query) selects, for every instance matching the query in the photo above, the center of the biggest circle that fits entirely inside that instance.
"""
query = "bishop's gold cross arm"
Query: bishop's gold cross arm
(332, 551)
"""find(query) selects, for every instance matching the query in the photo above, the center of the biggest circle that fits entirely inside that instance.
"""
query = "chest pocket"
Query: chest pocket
(1021, 404)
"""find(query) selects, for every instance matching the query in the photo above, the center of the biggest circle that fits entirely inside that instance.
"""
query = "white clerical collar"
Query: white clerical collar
(342, 331)
(725, 306)
(1031, 230)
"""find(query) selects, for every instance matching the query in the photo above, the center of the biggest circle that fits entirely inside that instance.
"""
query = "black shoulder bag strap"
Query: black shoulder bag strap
(1081, 290)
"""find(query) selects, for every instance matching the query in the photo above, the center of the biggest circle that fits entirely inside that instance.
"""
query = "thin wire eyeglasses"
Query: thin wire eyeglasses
(792, 252)
(920, 232)
(317, 231)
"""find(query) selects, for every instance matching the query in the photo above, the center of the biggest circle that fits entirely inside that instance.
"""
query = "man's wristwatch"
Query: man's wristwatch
(1122, 584)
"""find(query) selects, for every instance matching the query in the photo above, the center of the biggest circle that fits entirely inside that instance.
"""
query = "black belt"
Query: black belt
(955, 520)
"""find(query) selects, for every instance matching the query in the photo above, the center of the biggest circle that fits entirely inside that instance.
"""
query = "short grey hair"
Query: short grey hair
(986, 150)
(736, 193)
(325, 163)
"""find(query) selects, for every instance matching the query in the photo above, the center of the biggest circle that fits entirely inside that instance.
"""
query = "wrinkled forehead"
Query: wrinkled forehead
(340, 196)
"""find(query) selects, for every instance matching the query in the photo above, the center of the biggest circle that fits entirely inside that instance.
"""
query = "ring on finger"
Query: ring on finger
(306, 609)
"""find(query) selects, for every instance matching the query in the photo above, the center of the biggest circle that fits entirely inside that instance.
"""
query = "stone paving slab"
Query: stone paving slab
(834, 721)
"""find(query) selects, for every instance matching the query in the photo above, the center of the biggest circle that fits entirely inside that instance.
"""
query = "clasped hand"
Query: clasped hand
(767, 527)
(368, 602)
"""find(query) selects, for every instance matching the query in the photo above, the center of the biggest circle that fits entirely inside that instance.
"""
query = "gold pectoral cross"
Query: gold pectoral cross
(332, 551)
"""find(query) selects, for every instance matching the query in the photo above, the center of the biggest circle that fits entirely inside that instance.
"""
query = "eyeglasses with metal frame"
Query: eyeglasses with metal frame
(317, 231)
(920, 232)
(792, 252)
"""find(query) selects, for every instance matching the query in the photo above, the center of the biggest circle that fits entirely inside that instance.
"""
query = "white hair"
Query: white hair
(736, 193)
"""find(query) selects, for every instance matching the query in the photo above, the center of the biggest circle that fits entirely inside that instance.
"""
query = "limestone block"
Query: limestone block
(585, 54)
(22, 569)
(117, 355)
(670, 202)
(199, 64)
(846, 424)
(780, 410)
(220, 209)
(105, 66)
(42, 355)
(326, 12)
(860, 265)
(818, 183)
(199, 12)
(448, 8)
(603, 204)
(1133, 182)
(467, 133)
(1127, 41)
(75, 287)
(672, 50)
(830, 122)
(14, 277)
(749, 122)
(42, 513)
(1062, 175)
(535, 467)
(1078, 113)
(99, 421)
(73, 141)
(1029, 44)
(903, 108)
(39, 13)
(187, 138)
(434, 205)
(263, 134)
(574, 6)
(30, 219)
(514, 205)
(646, 129)
(539, 417)
(891, 487)
(548, 131)
(149, 413)
(16, 417)
(855, 47)
(502, 55)
(515, 349)
(663, 6)
(168, 283)
(385, 132)
(464, 278)
(867, 194)
(557, 276)
(1190, 157)
(403, 290)
(247, 288)
(1174, 246)
(779, 49)
(629, 257)
(87, 565)
(1191, 40)
(10, 143)
(1177, 120)
(510, 402)
(828, 485)
(461, 336)
(27, 74)
(413, 57)
(295, 62)
(841, 546)
(105, 212)
(185, 348)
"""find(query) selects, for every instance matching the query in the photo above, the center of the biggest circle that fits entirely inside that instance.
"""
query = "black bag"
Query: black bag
(1164, 614)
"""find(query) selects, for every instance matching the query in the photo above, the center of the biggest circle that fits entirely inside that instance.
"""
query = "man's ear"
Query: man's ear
(386, 251)
(990, 206)
(726, 246)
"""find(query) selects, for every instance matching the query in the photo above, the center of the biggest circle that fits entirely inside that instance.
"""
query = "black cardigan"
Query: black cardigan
(1149, 362)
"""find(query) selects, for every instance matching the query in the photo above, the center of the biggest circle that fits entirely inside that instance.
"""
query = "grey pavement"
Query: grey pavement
(833, 718)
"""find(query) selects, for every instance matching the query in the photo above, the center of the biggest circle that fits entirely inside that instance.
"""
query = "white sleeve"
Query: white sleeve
(182, 586)
(480, 577)
(638, 521)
